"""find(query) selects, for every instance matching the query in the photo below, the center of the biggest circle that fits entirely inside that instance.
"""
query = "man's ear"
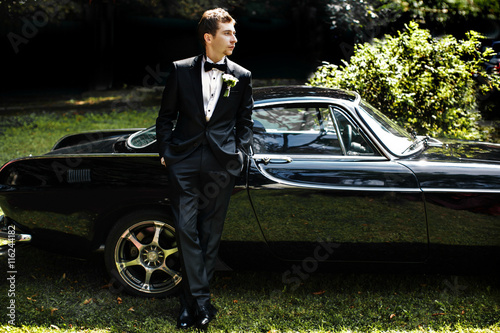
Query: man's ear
(208, 37)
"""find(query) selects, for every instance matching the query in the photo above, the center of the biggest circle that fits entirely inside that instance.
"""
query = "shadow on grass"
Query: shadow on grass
(56, 292)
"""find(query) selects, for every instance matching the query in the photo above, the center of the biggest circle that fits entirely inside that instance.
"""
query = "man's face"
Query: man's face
(222, 44)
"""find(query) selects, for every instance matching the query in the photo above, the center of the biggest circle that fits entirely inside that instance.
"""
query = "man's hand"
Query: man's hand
(163, 162)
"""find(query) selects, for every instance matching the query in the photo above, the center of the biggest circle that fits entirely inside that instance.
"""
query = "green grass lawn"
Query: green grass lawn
(54, 293)
(35, 133)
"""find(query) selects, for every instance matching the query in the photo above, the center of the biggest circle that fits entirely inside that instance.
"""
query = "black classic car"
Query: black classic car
(331, 180)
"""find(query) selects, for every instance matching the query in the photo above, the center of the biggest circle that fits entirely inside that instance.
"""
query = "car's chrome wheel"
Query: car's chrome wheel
(142, 255)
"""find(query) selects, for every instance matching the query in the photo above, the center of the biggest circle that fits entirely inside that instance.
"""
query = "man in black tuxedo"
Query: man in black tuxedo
(209, 98)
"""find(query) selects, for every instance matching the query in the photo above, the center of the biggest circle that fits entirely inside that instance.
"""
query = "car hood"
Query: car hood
(92, 142)
(467, 151)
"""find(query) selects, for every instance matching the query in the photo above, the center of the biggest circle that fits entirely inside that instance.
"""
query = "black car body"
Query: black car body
(331, 180)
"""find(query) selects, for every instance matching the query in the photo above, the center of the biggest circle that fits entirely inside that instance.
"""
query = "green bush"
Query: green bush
(428, 85)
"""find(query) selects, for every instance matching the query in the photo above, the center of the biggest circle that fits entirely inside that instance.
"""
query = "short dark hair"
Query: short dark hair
(209, 22)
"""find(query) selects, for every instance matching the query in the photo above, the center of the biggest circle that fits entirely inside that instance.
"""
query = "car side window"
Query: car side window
(352, 141)
(295, 129)
(306, 130)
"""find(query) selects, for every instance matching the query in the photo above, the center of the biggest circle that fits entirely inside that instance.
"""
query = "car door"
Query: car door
(321, 189)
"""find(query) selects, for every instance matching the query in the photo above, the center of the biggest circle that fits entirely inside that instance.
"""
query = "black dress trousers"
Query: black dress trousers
(205, 188)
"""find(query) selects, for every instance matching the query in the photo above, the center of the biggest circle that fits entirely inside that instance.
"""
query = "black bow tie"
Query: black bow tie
(210, 65)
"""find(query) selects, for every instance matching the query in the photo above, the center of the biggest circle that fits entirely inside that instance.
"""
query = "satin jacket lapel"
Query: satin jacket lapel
(196, 77)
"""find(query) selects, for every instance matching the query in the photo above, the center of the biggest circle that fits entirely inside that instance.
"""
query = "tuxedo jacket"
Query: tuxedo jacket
(181, 125)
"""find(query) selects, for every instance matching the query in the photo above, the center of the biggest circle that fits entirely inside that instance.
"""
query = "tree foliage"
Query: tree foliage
(428, 85)
(364, 19)
(447, 10)
(186, 9)
(12, 11)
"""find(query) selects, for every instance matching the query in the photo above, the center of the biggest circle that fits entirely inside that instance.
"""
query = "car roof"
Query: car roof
(287, 92)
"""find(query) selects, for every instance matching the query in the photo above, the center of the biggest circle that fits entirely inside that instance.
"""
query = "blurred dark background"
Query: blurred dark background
(86, 45)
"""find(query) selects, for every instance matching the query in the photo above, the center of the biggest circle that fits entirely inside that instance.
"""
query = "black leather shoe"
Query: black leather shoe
(186, 318)
(213, 310)
(205, 316)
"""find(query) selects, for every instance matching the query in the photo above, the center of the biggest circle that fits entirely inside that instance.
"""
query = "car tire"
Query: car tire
(141, 255)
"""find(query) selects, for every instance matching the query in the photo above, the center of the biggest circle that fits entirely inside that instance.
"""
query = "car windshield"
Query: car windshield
(395, 139)
(142, 138)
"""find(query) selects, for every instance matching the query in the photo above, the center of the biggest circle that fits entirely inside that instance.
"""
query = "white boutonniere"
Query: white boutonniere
(230, 82)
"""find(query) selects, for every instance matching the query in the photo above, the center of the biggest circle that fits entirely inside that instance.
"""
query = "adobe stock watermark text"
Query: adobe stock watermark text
(11, 277)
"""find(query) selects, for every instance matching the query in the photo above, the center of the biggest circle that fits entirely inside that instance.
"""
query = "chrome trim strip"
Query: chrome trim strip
(462, 190)
(293, 100)
(302, 100)
(24, 238)
(339, 188)
(18, 238)
(70, 156)
(332, 158)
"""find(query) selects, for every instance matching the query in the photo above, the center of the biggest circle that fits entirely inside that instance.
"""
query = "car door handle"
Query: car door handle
(278, 159)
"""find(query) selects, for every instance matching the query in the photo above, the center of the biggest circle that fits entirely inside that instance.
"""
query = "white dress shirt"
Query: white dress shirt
(211, 83)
